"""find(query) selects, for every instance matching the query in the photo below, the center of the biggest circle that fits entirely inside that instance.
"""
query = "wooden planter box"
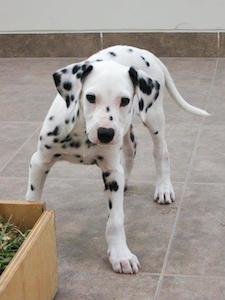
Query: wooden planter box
(32, 273)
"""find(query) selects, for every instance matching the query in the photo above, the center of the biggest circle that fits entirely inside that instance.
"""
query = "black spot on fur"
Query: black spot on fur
(146, 87)
(86, 71)
(67, 85)
(64, 146)
(89, 143)
(56, 140)
(110, 118)
(48, 147)
(156, 95)
(147, 63)
(84, 67)
(150, 104)
(73, 119)
(57, 155)
(40, 137)
(64, 71)
(46, 172)
(107, 109)
(32, 187)
(130, 50)
(77, 155)
(112, 186)
(99, 60)
(132, 136)
(54, 132)
(67, 101)
(75, 144)
(110, 204)
(113, 54)
(75, 69)
(67, 121)
(78, 112)
(57, 79)
(156, 132)
(141, 104)
(134, 76)
(79, 75)
(104, 176)
(81, 161)
(72, 97)
(66, 139)
(157, 85)
(51, 118)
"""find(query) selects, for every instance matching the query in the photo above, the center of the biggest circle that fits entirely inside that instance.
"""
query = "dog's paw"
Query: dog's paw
(123, 261)
(164, 193)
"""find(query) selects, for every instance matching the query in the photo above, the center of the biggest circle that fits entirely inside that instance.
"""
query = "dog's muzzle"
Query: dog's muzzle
(105, 135)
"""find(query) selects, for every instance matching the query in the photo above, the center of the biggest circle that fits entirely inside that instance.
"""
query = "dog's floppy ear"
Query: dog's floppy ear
(69, 82)
(146, 89)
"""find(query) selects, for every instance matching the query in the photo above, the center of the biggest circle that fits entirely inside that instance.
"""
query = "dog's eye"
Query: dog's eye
(124, 101)
(90, 98)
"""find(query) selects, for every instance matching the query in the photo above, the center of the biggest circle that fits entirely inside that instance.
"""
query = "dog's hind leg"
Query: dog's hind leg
(128, 154)
(38, 171)
(155, 122)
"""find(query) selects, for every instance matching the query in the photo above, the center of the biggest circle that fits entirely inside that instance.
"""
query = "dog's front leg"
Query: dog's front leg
(120, 257)
(38, 171)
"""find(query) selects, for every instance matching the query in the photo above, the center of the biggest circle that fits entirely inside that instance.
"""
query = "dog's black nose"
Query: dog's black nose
(105, 135)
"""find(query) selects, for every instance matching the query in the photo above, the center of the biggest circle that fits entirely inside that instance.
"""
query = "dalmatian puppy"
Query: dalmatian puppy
(90, 122)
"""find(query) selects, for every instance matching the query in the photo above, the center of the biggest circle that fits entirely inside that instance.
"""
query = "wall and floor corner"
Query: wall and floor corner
(167, 28)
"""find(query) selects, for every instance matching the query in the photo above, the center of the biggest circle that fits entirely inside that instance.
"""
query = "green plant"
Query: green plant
(11, 238)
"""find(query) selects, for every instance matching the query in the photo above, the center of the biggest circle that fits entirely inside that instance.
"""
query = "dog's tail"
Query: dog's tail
(176, 95)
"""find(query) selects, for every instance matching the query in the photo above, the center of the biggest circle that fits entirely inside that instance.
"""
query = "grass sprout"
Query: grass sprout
(11, 238)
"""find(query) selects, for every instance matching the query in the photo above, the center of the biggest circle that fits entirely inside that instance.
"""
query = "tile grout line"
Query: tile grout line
(158, 288)
(195, 276)
(6, 164)
(169, 275)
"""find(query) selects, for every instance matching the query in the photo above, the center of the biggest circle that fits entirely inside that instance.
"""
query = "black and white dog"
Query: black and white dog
(90, 122)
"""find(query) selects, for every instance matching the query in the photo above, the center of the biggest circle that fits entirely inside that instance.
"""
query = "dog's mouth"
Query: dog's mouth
(96, 141)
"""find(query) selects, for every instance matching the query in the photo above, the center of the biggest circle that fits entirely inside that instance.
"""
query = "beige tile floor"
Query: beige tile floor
(181, 247)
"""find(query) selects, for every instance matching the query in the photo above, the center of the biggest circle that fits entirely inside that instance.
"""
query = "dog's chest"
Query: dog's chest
(76, 147)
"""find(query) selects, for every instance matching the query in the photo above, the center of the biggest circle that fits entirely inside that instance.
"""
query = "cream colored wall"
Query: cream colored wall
(118, 15)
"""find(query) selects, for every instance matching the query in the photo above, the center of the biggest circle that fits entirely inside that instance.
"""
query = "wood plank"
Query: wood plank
(32, 273)
(25, 213)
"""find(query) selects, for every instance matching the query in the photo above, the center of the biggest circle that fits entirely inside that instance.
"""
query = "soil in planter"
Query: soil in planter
(11, 238)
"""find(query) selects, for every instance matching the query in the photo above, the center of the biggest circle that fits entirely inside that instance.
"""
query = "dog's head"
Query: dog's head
(107, 94)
